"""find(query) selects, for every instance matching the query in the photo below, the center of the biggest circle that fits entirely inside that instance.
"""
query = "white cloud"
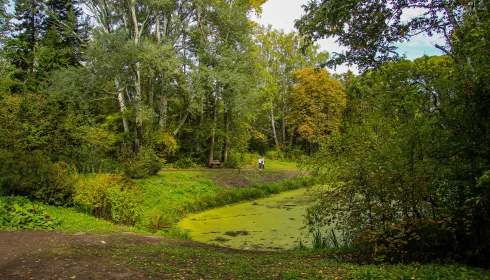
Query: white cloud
(281, 13)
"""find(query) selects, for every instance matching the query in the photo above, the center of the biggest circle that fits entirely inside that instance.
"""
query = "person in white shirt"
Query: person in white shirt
(261, 163)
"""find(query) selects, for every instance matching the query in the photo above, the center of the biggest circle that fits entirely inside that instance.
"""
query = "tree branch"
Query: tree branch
(444, 50)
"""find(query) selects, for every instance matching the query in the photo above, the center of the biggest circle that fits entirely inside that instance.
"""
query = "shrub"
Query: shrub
(159, 221)
(19, 213)
(184, 162)
(275, 155)
(145, 163)
(110, 196)
(33, 174)
(234, 161)
(292, 154)
(165, 145)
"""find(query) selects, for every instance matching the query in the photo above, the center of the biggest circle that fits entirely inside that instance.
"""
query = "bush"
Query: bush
(110, 196)
(32, 174)
(275, 155)
(19, 213)
(165, 145)
(184, 162)
(234, 161)
(291, 154)
(159, 221)
(144, 164)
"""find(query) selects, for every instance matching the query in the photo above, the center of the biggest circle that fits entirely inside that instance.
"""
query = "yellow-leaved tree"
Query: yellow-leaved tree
(317, 102)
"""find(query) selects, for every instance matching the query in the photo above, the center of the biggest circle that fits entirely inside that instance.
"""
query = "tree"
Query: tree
(282, 54)
(457, 162)
(317, 103)
(4, 63)
(4, 22)
(63, 36)
(371, 29)
(224, 73)
(23, 46)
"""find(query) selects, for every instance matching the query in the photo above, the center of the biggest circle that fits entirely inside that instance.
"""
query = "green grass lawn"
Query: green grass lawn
(276, 164)
(167, 193)
(71, 220)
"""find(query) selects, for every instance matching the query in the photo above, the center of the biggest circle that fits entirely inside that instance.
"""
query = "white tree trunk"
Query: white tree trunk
(122, 105)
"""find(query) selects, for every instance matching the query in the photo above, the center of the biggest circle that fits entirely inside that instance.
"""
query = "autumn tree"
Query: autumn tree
(317, 103)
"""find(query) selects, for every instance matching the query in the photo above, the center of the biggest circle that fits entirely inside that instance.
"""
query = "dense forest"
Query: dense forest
(128, 87)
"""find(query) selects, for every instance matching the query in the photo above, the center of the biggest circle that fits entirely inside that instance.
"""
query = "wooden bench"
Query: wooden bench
(215, 164)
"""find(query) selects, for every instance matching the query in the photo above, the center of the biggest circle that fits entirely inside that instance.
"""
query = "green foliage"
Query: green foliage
(371, 30)
(241, 160)
(165, 145)
(145, 163)
(280, 55)
(318, 101)
(288, 154)
(75, 220)
(183, 163)
(159, 220)
(400, 179)
(19, 213)
(109, 196)
(32, 174)
(234, 161)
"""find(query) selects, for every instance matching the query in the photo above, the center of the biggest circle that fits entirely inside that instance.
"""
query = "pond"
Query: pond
(269, 223)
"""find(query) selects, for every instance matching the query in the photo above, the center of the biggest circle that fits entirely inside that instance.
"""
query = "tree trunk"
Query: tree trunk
(283, 121)
(137, 80)
(215, 119)
(163, 111)
(224, 153)
(273, 126)
(159, 37)
(139, 121)
(122, 105)
(151, 93)
(181, 123)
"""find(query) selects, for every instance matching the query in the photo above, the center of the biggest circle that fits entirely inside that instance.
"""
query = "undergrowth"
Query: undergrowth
(20, 213)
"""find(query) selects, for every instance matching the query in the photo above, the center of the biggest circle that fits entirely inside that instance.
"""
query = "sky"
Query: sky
(282, 13)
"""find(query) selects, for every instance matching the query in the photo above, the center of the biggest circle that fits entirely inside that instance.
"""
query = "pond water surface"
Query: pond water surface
(268, 223)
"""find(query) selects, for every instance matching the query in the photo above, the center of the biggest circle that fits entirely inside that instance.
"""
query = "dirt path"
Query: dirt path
(54, 255)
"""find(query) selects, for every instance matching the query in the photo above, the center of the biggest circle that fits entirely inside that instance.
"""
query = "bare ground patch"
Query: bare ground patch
(55, 255)
(246, 178)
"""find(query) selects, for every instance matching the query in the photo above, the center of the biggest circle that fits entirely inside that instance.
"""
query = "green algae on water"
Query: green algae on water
(271, 223)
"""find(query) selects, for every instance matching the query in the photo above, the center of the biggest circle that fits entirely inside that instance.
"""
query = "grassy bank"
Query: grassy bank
(170, 194)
